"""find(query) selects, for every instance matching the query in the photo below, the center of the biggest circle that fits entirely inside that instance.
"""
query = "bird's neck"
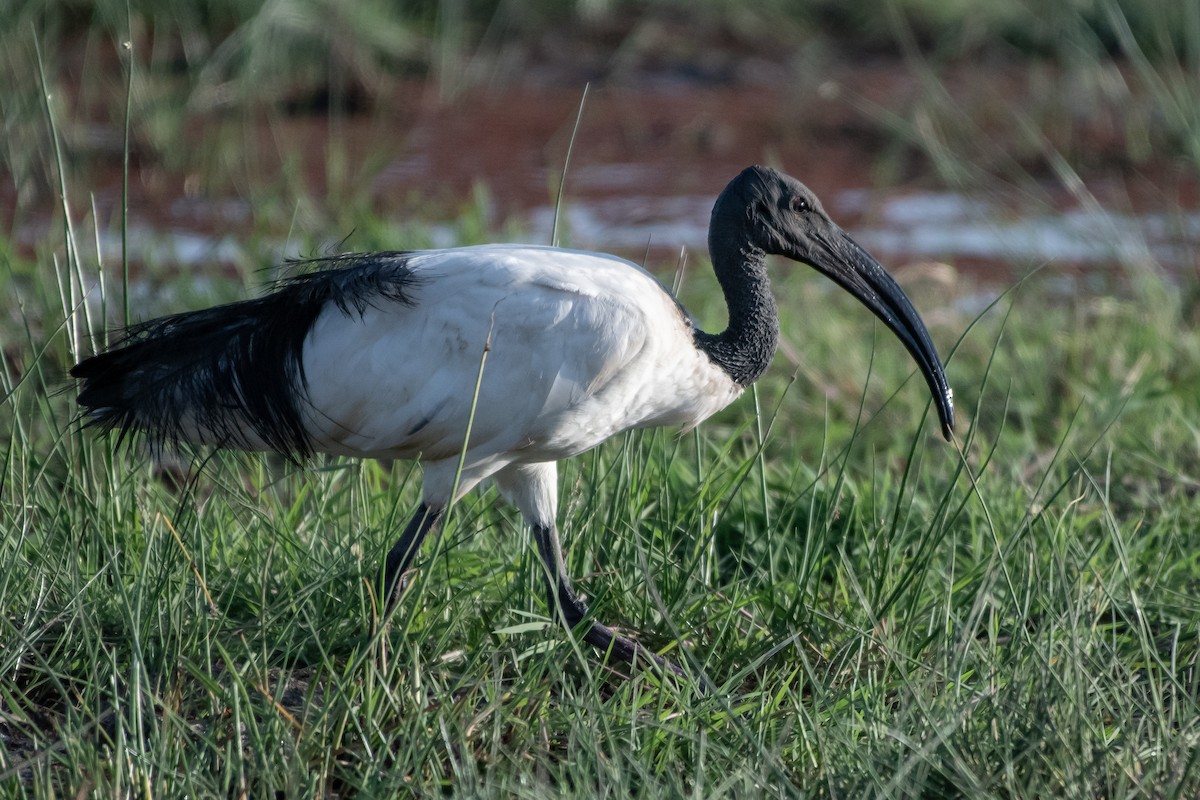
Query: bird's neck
(745, 348)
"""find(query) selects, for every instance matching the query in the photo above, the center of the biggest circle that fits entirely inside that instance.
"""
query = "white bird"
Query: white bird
(380, 355)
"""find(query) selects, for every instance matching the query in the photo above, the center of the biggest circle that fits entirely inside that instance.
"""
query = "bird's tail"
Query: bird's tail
(227, 376)
(233, 375)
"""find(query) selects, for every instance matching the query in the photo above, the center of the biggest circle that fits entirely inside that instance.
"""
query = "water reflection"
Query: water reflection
(934, 225)
(605, 213)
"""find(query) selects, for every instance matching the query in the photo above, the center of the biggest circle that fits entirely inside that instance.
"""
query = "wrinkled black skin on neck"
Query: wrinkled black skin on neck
(764, 212)
(739, 235)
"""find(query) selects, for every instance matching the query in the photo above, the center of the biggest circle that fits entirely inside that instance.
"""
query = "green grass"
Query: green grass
(878, 614)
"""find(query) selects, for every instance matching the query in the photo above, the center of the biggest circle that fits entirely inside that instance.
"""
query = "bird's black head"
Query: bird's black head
(767, 211)
(770, 211)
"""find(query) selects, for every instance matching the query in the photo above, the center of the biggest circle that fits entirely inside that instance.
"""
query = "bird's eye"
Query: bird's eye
(799, 204)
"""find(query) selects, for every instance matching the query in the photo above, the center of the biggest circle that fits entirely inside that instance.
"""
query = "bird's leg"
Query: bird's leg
(562, 597)
(401, 554)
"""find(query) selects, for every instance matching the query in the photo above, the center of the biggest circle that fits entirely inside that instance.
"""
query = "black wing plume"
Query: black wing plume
(234, 373)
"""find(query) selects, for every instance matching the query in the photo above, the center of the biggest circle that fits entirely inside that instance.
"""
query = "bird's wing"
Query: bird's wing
(561, 337)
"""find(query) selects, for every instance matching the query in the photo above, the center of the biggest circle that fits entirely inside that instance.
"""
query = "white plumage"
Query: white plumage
(580, 346)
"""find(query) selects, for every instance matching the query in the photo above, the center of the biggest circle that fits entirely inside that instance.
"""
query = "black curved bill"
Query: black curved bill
(856, 271)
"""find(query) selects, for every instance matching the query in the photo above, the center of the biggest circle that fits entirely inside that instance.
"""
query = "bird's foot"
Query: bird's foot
(604, 638)
(625, 649)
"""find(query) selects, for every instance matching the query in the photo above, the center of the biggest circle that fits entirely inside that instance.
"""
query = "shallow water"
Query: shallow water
(908, 226)
(897, 228)
(646, 164)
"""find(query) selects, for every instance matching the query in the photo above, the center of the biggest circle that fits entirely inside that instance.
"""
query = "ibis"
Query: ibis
(489, 362)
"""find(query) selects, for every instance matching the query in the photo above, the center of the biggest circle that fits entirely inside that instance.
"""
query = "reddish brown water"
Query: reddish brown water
(647, 160)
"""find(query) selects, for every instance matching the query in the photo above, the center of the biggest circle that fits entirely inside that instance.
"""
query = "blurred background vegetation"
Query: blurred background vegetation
(1089, 68)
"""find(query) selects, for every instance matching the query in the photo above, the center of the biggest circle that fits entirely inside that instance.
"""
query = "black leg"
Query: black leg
(562, 597)
(401, 554)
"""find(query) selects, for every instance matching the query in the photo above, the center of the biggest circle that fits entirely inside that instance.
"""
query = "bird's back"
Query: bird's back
(578, 347)
(382, 356)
